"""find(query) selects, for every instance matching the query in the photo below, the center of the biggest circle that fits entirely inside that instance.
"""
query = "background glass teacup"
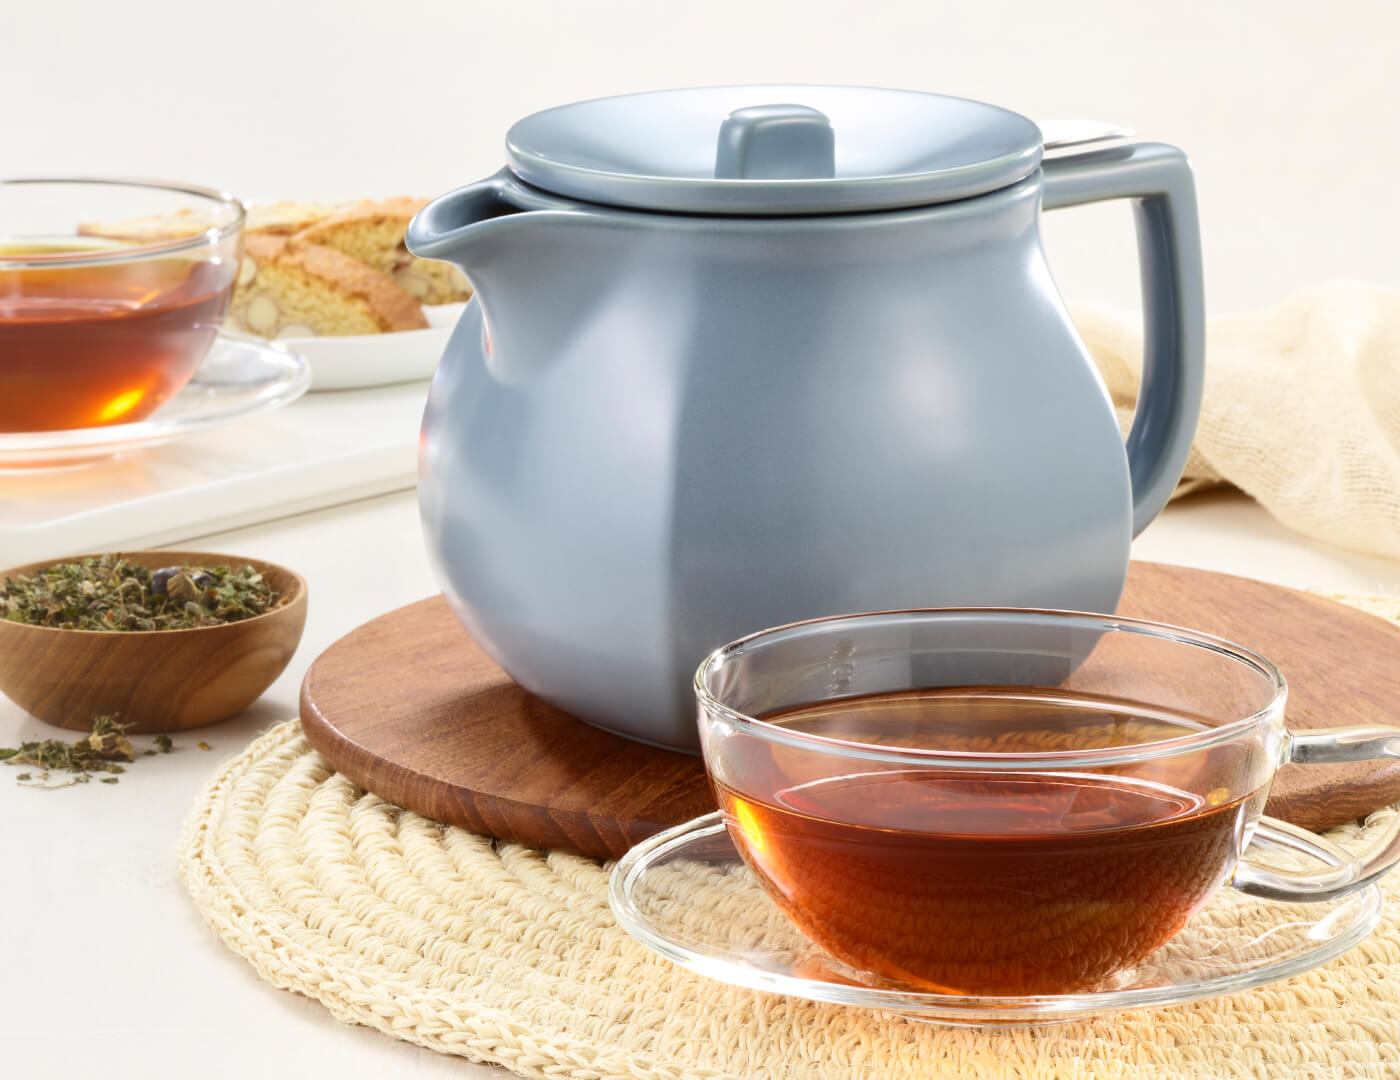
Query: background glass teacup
(1004, 802)
(111, 292)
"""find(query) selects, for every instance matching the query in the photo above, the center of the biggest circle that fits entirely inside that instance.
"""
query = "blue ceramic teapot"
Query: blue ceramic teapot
(743, 356)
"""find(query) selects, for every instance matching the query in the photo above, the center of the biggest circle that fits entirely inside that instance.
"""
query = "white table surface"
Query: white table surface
(1286, 108)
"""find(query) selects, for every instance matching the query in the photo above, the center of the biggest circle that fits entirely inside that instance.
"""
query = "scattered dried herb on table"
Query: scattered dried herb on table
(101, 751)
(111, 593)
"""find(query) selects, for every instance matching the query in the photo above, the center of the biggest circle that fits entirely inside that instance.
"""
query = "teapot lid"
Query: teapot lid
(773, 149)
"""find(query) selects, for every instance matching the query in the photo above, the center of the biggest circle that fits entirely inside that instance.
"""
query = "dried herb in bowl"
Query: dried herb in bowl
(111, 593)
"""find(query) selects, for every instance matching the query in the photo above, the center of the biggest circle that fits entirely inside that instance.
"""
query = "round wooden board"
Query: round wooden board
(408, 707)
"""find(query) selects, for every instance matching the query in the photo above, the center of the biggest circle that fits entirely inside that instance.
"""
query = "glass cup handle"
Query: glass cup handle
(1326, 747)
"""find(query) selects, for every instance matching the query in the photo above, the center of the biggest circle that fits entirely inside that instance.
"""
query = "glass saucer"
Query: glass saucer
(687, 894)
(240, 377)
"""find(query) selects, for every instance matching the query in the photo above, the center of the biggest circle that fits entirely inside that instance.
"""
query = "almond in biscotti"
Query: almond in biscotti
(306, 290)
(373, 232)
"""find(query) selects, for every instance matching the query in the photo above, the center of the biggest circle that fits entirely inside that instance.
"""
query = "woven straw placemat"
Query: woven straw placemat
(506, 954)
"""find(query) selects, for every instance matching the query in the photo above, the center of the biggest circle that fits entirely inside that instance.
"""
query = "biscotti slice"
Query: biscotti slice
(154, 227)
(373, 232)
(307, 290)
(262, 219)
(286, 218)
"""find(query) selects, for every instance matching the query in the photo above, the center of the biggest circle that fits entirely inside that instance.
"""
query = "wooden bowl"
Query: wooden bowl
(156, 680)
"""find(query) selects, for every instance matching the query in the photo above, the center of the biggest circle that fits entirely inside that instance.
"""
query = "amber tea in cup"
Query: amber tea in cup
(88, 346)
(98, 330)
(995, 802)
(1081, 872)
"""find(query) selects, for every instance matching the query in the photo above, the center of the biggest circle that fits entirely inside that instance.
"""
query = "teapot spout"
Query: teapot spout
(450, 227)
(524, 251)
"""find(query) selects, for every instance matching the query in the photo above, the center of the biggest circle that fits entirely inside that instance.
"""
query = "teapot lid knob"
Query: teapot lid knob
(776, 142)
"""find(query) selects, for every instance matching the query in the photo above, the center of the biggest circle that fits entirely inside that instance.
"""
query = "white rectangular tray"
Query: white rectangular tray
(322, 450)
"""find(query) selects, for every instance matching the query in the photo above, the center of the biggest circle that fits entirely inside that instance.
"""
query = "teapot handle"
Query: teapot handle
(1158, 179)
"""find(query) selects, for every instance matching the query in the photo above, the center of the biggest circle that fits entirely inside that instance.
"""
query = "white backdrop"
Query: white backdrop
(1287, 107)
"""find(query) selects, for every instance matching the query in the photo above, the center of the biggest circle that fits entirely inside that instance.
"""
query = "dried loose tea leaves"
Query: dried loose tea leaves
(112, 593)
(107, 742)
(100, 751)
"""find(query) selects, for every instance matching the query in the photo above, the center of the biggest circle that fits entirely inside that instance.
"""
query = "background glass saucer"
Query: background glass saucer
(241, 376)
(687, 894)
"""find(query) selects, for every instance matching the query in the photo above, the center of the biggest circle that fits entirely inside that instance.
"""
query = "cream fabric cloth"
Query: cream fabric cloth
(1301, 408)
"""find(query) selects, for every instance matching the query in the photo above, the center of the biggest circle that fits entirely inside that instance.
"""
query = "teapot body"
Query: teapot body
(676, 430)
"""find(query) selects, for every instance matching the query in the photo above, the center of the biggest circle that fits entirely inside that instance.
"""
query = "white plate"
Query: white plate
(240, 377)
(353, 363)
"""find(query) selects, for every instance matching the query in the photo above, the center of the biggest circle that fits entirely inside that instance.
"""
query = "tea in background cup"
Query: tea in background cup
(104, 329)
(999, 802)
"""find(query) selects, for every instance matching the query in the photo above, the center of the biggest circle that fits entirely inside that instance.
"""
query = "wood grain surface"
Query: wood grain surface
(156, 680)
(408, 707)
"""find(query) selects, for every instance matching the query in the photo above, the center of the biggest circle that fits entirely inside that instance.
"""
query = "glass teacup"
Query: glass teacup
(111, 294)
(1005, 802)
